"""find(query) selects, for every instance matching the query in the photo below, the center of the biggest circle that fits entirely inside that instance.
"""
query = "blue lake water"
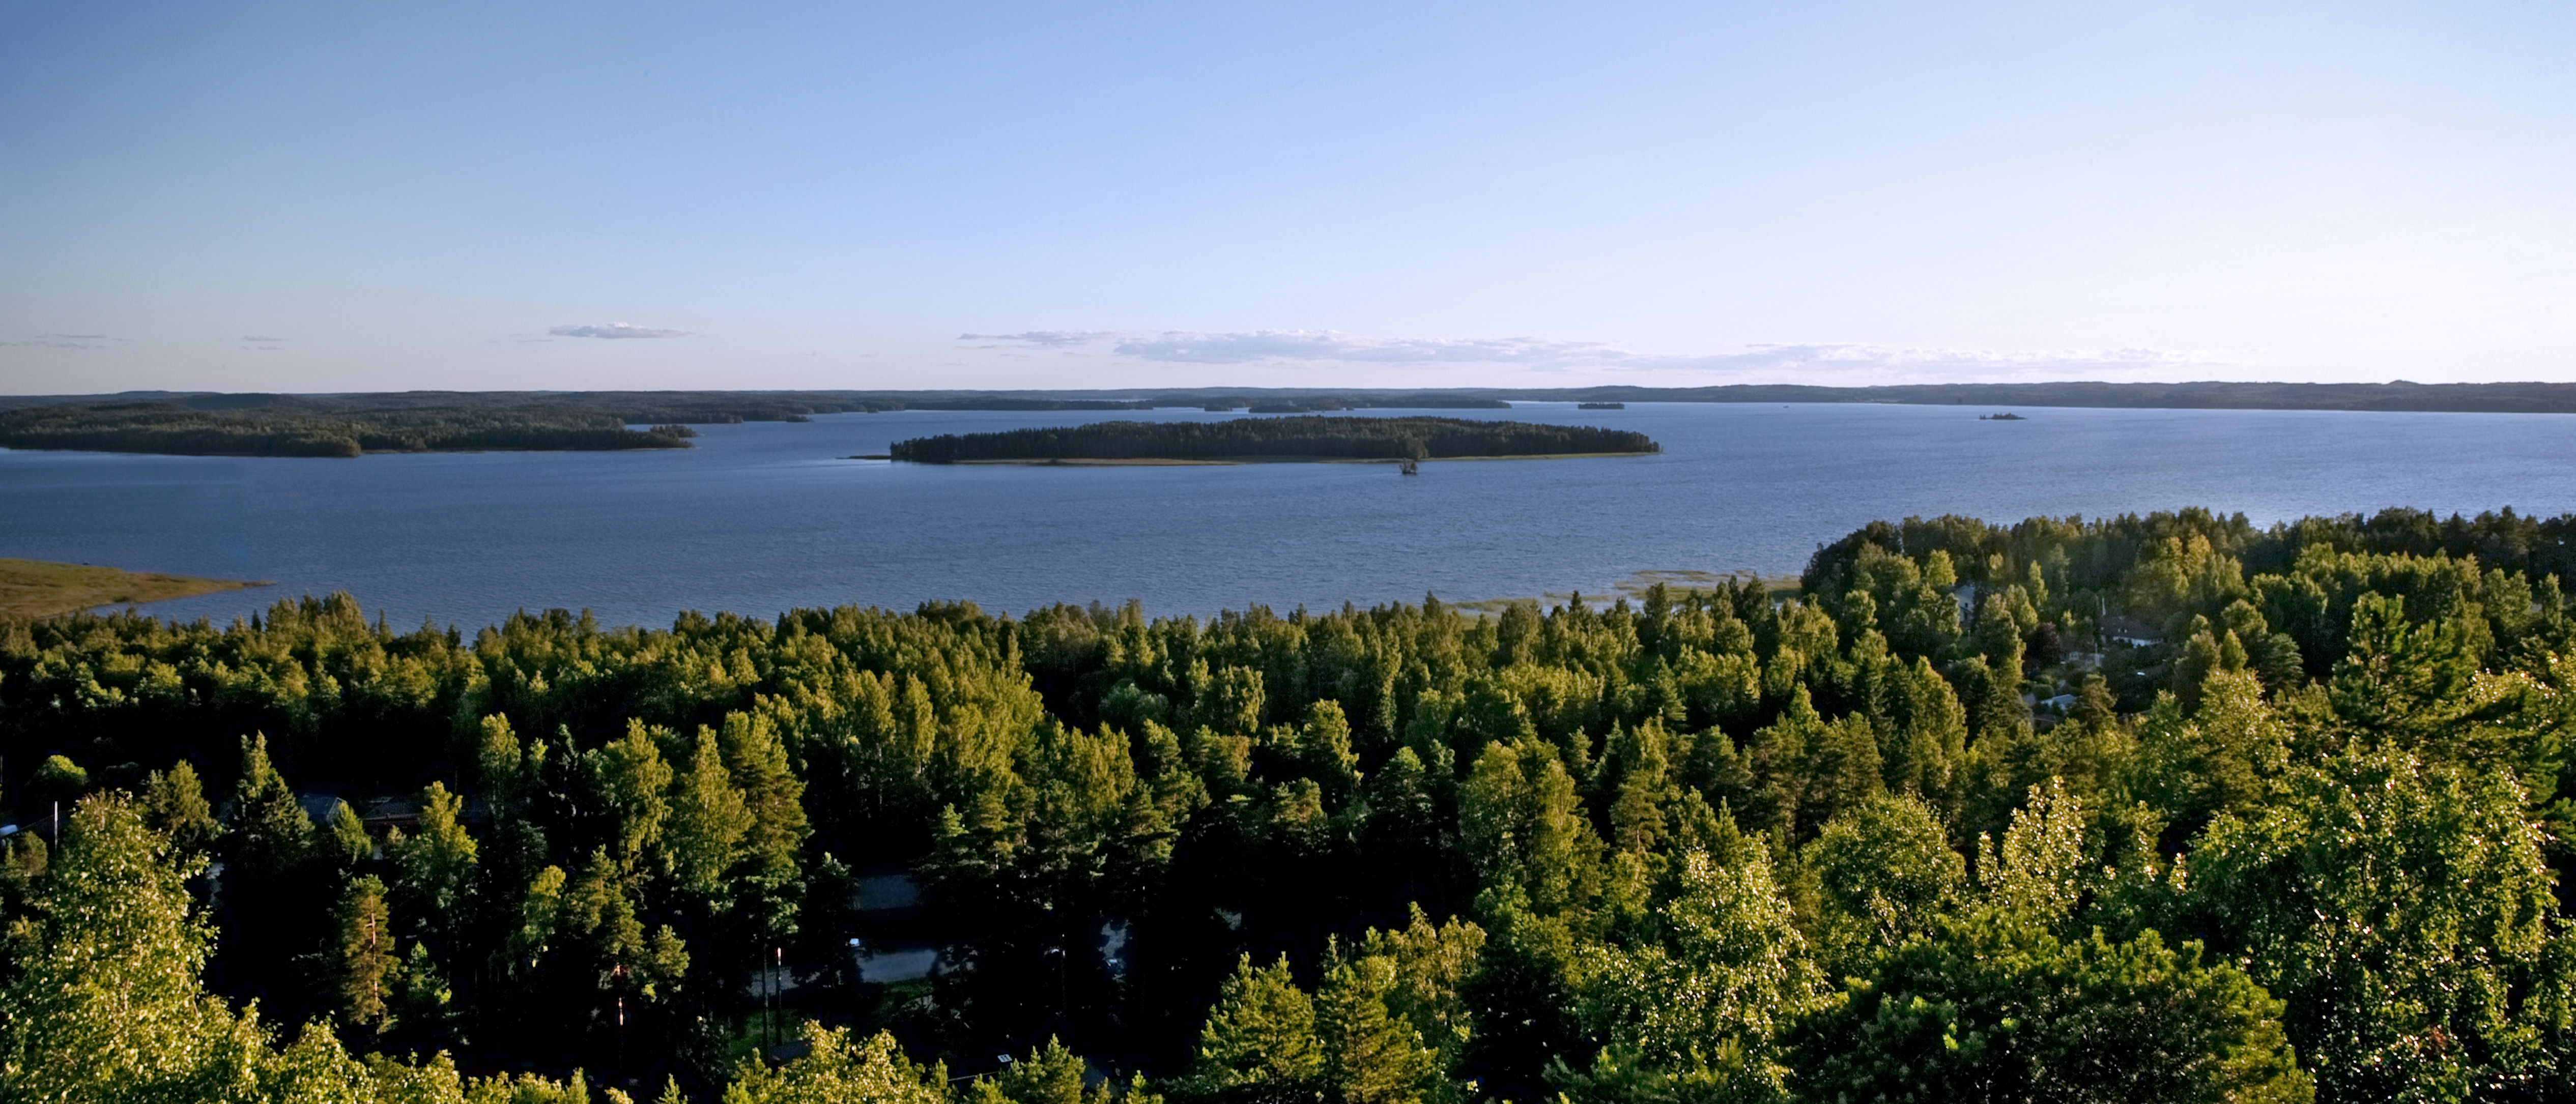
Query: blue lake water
(764, 517)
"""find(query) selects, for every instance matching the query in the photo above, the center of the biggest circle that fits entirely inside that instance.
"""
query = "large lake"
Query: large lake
(763, 517)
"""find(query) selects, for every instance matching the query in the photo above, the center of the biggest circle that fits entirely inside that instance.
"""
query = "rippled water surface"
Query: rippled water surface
(763, 517)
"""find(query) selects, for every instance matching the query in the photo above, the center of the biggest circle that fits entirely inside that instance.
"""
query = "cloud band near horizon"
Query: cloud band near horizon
(1539, 354)
(616, 329)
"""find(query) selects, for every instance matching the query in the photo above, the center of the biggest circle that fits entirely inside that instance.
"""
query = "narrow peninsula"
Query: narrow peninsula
(1260, 439)
(31, 589)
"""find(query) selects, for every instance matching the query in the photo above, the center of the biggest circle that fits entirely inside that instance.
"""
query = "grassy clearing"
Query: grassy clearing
(36, 588)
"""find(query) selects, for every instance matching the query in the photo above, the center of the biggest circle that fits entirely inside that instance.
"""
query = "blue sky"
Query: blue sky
(369, 196)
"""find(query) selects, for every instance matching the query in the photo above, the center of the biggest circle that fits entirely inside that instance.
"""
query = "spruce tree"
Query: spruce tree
(175, 805)
(275, 904)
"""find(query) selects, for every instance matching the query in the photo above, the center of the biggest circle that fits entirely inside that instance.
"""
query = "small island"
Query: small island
(1246, 440)
(38, 588)
(1601, 406)
(2004, 417)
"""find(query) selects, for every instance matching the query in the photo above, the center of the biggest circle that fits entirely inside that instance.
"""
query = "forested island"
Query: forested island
(1292, 438)
(2162, 808)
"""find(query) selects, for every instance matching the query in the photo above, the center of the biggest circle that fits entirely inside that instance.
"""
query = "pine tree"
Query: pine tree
(771, 886)
(708, 821)
(1638, 821)
(837, 1067)
(757, 757)
(1049, 1075)
(1930, 737)
(1261, 1036)
(601, 922)
(1433, 966)
(366, 954)
(1523, 827)
(344, 841)
(1700, 998)
(632, 782)
(435, 867)
(1370, 1054)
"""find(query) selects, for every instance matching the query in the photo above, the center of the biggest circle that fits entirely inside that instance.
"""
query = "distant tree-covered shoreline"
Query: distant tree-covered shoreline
(172, 430)
(1302, 437)
(261, 424)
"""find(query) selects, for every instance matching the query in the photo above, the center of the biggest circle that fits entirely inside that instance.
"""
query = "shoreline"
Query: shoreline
(1172, 462)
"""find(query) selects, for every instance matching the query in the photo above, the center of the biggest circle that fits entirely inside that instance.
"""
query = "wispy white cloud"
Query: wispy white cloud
(60, 341)
(1924, 361)
(616, 329)
(1768, 361)
(263, 339)
(1049, 338)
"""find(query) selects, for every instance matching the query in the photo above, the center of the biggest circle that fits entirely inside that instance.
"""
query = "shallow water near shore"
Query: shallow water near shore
(763, 517)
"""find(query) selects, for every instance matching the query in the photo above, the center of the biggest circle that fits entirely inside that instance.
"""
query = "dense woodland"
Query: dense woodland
(2305, 842)
(1252, 438)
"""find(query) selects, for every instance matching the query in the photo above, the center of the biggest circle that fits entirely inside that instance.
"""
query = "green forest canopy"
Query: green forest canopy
(2308, 843)
(1414, 438)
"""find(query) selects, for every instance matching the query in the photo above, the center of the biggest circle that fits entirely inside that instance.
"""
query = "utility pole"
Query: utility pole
(620, 973)
(1063, 1022)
